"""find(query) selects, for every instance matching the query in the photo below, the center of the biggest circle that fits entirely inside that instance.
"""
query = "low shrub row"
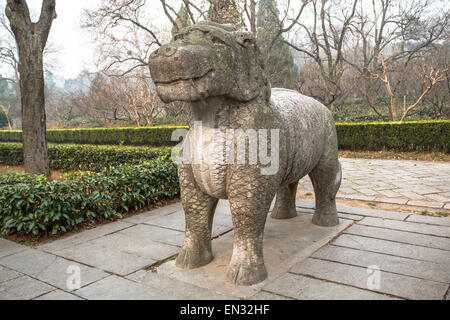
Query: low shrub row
(33, 204)
(150, 136)
(83, 157)
(399, 136)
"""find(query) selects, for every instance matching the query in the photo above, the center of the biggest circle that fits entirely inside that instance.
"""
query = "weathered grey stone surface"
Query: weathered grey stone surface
(176, 221)
(390, 283)
(303, 288)
(285, 243)
(394, 248)
(440, 221)
(143, 247)
(23, 288)
(263, 295)
(7, 274)
(220, 72)
(175, 288)
(49, 268)
(106, 258)
(406, 266)
(358, 211)
(163, 211)
(58, 295)
(400, 236)
(8, 247)
(441, 231)
(156, 234)
(406, 258)
(393, 181)
(117, 288)
(85, 236)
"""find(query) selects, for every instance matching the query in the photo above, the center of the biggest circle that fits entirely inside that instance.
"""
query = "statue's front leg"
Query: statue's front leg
(250, 197)
(199, 211)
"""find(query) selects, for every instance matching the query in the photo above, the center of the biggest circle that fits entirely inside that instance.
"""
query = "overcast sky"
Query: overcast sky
(74, 44)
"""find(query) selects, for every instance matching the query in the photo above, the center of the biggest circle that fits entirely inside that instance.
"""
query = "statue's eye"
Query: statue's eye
(178, 36)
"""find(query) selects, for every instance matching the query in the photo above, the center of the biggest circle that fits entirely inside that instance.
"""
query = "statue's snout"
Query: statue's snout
(179, 62)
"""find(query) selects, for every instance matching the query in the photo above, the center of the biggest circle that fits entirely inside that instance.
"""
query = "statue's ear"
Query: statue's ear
(244, 38)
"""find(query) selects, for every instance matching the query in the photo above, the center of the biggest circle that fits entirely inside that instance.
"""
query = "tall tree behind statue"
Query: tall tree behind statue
(224, 11)
(31, 38)
(280, 66)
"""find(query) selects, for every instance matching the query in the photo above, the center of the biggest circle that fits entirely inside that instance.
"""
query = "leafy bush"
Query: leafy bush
(33, 204)
(83, 157)
(400, 136)
(151, 136)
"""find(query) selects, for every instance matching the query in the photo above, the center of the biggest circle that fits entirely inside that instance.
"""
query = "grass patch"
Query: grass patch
(435, 214)
(396, 155)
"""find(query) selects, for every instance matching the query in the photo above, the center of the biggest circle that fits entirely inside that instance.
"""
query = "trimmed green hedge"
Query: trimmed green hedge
(399, 136)
(33, 204)
(151, 136)
(83, 157)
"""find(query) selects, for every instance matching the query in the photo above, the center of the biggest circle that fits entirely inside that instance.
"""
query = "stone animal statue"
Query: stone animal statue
(220, 72)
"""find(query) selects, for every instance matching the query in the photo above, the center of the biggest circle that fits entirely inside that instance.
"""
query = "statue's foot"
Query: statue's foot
(245, 274)
(283, 213)
(325, 220)
(191, 259)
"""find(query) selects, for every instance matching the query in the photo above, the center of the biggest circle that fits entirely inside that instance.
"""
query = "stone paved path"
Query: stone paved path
(412, 183)
(372, 254)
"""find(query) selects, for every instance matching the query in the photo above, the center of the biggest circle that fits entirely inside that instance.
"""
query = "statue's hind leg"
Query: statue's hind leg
(326, 179)
(285, 202)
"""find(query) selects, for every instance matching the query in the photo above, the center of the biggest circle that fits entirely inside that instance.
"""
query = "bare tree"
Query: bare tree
(9, 55)
(430, 76)
(31, 38)
(400, 31)
(324, 42)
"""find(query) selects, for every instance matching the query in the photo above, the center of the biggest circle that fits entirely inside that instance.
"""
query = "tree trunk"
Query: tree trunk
(34, 135)
(31, 39)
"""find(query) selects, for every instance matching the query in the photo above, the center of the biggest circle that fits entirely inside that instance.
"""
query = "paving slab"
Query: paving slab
(8, 247)
(58, 295)
(176, 288)
(142, 217)
(440, 221)
(50, 268)
(358, 211)
(264, 295)
(303, 288)
(412, 183)
(157, 234)
(394, 248)
(176, 221)
(7, 274)
(390, 283)
(400, 236)
(426, 203)
(106, 258)
(441, 231)
(85, 236)
(405, 266)
(117, 288)
(142, 247)
(23, 288)
(285, 243)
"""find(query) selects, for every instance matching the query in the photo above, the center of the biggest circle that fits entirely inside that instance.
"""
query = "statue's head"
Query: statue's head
(209, 60)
